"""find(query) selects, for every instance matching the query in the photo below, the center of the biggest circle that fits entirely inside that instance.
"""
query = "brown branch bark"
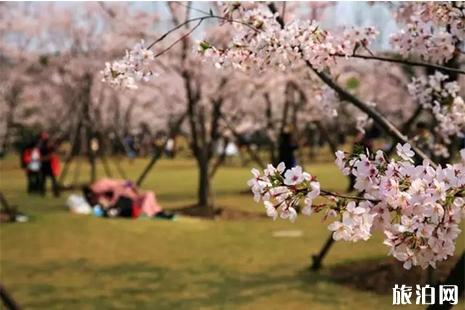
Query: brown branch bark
(406, 62)
(382, 121)
(159, 151)
(255, 157)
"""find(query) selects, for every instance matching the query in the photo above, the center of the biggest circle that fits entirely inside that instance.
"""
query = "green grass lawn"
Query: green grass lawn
(63, 260)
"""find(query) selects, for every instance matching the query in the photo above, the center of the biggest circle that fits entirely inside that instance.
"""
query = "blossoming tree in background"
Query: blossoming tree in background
(415, 202)
(51, 67)
(203, 93)
(413, 237)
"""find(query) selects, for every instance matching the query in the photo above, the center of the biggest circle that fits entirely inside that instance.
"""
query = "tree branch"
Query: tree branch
(405, 62)
(159, 151)
(382, 121)
(329, 193)
(200, 20)
(178, 40)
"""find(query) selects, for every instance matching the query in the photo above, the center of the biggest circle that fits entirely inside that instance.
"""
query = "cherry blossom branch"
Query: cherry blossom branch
(191, 8)
(324, 192)
(200, 20)
(279, 18)
(381, 120)
(405, 62)
(413, 205)
(358, 198)
(390, 128)
(108, 11)
(283, 10)
(178, 40)
(407, 127)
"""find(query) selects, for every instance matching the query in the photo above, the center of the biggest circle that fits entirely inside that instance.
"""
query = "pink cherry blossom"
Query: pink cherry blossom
(417, 207)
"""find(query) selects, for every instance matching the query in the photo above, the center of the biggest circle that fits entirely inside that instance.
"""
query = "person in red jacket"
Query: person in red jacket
(50, 163)
(32, 165)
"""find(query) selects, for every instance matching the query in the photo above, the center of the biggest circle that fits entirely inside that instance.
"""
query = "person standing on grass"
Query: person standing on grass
(169, 148)
(49, 167)
(31, 163)
(287, 147)
(130, 147)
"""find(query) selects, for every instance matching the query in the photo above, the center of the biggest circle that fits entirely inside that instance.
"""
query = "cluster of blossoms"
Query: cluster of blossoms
(133, 67)
(417, 207)
(261, 42)
(433, 30)
(435, 93)
(281, 191)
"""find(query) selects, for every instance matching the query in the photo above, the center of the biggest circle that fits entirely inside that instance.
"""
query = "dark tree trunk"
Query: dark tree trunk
(89, 126)
(12, 98)
(455, 277)
(317, 259)
(7, 300)
(6, 136)
(270, 128)
(203, 194)
(174, 130)
(324, 132)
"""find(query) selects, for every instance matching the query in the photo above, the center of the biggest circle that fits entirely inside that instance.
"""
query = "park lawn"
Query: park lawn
(63, 260)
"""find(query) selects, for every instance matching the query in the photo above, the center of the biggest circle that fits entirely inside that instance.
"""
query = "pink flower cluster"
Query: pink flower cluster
(433, 30)
(441, 97)
(281, 191)
(417, 207)
(261, 42)
(134, 66)
(356, 222)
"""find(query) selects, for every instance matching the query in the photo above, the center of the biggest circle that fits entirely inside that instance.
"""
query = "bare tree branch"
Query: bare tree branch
(200, 20)
(382, 121)
(405, 62)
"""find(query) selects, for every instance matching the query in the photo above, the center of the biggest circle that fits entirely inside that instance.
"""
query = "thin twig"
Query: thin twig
(283, 11)
(178, 40)
(200, 19)
(191, 7)
(380, 119)
(328, 193)
(405, 62)
(110, 12)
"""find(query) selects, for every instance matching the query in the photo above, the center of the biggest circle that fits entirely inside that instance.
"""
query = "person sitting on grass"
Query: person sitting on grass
(123, 198)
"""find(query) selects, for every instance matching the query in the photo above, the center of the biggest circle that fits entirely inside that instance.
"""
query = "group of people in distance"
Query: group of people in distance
(40, 162)
(105, 197)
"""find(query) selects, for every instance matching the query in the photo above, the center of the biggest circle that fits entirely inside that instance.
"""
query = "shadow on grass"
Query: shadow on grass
(144, 285)
(80, 284)
(381, 275)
